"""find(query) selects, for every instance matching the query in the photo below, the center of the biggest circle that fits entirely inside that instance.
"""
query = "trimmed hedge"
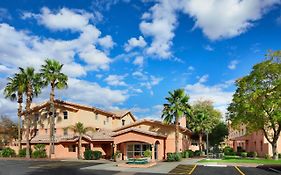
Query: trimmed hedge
(228, 151)
(185, 154)
(190, 153)
(243, 154)
(197, 153)
(279, 156)
(172, 157)
(252, 154)
(8, 152)
(92, 155)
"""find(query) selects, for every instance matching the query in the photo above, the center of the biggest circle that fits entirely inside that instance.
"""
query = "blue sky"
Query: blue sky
(123, 54)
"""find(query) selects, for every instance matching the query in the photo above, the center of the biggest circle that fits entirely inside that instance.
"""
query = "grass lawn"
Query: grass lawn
(256, 161)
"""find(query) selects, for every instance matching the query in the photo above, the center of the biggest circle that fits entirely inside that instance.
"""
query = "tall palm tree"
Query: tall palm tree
(32, 87)
(51, 73)
(176, 108)
(14, 91)
(79, 129)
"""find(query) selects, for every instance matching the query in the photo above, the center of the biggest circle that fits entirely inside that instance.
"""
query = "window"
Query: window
(97, 116)
(55, 115)
(123, 122)
(65, 115)
(36, 117)
(65, 132)
(104, 122)
(55, 130)
(137, 149)
(107, 119)
(46, 131)
(72, 148)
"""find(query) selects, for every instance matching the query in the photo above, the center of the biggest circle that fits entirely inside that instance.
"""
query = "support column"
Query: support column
(153, 153)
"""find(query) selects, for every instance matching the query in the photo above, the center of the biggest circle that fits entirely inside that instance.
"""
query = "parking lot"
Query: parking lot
(221, 170)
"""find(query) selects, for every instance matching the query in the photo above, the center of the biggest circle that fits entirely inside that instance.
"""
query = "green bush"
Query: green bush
(0, 153)
(197, 153)
(226, 157)
(170, 157)
(147, 153)
(185, 154)
(97, 155)
(8, 152)
(177, 156)
(252, 154)
(88, 154)
(190, 153)
(40, 151)
(279, 155)
(22, 152)
(267, 156)
(244, 154)
(228, 151)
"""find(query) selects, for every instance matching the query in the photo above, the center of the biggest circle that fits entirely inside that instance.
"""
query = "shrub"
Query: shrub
(197, 153)
(244, 154)
(97, 155)
(40, 151)
(22, 152)
(0, 153)
(170, 157)
(279, 155)
(177, 156)
(8, 152)
(252, 154)
(185, 154)
(190, 153)
(147, 153)
(88, 154)
(229, 151)
(267, 156)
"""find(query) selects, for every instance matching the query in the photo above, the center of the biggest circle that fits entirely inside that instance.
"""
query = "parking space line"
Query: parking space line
(241, 173)
(190, 172)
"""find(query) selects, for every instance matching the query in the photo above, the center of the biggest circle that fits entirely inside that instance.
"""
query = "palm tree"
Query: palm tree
(14, 91)
(32, 86)
(51, 73)
(176, 108)
(80, 130)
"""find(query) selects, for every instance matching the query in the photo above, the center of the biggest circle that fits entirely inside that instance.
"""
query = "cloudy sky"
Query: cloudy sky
(127, 54)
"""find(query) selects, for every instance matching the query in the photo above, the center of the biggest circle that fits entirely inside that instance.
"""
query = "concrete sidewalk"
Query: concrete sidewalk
(160, 167)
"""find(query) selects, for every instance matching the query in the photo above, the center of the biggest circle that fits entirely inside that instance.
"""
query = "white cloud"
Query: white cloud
(106, 42)
(81, 91)
(218, 93)
(226, 19)
(115, 80)
(208, 48)
(152, 81)
(135, 42)
(191, 68)
(232, 65)
(138, 61)
(61, 19)
(203, 79)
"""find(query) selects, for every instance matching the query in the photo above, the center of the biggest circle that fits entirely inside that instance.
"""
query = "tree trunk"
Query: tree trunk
(27, 118)
(200, 142)
(79, 147)
(177, 135)
(19, 119)
(274, 150)
(52, 109)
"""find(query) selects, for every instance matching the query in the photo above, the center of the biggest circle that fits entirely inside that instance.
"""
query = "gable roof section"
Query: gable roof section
(154, 122)
(75, 107)
(133, 129)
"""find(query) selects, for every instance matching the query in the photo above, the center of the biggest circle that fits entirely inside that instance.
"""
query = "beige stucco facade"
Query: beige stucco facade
(113, 131)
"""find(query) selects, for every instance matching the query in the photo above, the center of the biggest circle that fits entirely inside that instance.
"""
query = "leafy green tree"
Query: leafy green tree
(257, 102)
(218, 134)
(14, 90)
(80, 130)
(204, 119)
(32, 87)
(52, 75)
(177, 107)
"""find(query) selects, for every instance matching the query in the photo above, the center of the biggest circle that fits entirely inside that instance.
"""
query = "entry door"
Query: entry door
(156, 152)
